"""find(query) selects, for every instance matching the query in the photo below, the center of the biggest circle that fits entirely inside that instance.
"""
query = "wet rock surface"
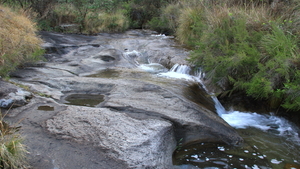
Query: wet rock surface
(139, 121)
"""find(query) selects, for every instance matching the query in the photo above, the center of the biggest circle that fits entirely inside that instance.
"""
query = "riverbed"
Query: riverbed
(132, 101)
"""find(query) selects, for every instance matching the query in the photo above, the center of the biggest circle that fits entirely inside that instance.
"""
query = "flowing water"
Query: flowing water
(270, 141)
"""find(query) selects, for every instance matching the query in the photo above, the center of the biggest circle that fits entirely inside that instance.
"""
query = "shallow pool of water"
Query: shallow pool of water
(89, 100)
(106, 73)
(261, 150)
(46, 108)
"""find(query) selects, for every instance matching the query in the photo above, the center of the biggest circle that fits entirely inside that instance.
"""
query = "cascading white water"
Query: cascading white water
(235, 118)
(179, 71)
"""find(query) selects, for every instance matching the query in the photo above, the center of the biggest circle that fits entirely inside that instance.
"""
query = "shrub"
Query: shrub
(172, 13)
(65, 13)
(159, 24)
(167, 22)
(106, 22)
(18, 41)
(141, 12)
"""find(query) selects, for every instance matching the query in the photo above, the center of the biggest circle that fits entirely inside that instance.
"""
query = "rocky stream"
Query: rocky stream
(111, 101)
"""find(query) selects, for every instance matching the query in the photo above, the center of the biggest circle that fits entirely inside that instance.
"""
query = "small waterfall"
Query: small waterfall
(236, 119)
(180, 72)
(181, 69)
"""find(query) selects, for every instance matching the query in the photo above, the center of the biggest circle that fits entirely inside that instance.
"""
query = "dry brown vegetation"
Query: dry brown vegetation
(18, 40)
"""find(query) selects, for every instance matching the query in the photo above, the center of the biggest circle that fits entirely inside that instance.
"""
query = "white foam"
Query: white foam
(242, 120)
(277, 125)
(153, 68)
(159, 35)
(176, 75)
(275, 161)
(180, 72)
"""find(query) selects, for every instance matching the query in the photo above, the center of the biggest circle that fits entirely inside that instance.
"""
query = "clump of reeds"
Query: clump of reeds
(12, 150)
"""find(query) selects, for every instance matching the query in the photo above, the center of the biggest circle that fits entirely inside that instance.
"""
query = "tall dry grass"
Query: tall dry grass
(18, 40)
(91, 21)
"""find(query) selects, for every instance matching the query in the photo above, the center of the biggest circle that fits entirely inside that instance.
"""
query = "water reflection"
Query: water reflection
(46, 108)
(218, 155)
(89, 100)
(106, 73)
(270, 142)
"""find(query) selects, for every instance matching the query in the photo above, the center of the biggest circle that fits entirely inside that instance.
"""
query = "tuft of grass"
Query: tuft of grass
(191, 24)
(18, 40)
(65, 13)
(12, 150)
(171, 13)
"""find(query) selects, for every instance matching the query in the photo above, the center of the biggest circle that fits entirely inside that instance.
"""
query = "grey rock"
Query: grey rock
(6, 103)
(12, 96)
(141, 143)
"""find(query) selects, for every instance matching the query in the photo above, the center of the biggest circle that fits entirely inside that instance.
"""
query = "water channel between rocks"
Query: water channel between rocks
(270, 141)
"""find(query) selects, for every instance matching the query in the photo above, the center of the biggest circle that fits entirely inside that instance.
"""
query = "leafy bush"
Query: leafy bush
(159, 24)
(18, 41)
(171, 14)
(141, 12)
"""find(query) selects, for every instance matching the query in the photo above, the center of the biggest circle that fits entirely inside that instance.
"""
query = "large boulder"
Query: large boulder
(141, 143)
